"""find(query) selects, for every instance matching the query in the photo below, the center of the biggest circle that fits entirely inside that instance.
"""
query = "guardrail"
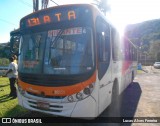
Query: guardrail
(3, 68)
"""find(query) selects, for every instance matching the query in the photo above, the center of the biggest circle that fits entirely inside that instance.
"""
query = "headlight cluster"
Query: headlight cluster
(80, 95)
(22, 92)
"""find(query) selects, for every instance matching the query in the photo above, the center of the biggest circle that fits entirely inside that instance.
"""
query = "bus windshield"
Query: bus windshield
(57, 51)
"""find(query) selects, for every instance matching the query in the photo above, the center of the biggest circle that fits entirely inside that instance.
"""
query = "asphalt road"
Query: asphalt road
(140, 99)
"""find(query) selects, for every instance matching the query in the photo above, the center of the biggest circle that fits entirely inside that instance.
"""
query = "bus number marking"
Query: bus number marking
(58, 92)
(71, 15)
(57, 17)
(33, 21)
(46, 19)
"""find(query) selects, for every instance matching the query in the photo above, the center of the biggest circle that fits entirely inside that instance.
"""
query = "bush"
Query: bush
(4, 62)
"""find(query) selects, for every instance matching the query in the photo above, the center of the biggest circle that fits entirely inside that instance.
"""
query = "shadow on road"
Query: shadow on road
(126, 105)
(5, 98)
(129, 100)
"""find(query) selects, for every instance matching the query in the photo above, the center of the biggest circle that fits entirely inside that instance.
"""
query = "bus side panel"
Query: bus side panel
(105, 89)
(85, 108)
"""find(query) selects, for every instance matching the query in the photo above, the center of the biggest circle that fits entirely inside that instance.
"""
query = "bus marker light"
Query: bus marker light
(91, 86)
(70, 98)
(87, 91)
(79, 96)
(21, 90)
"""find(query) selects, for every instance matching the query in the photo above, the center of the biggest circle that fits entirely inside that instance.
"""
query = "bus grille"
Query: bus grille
(52, 108)
(45, 96)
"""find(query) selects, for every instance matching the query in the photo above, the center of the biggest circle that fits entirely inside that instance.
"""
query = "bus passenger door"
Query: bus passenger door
(117, 56)
(104, 66)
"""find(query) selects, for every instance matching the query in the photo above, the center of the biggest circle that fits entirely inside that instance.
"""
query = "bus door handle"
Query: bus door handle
(103, 85)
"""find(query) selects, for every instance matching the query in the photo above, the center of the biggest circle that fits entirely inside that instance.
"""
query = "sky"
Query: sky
(122, 12)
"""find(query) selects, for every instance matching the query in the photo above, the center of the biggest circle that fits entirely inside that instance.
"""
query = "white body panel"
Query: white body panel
(58, 108)
(105, 90)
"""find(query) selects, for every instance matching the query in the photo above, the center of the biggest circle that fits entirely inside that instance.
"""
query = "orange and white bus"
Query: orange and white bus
(72, 61)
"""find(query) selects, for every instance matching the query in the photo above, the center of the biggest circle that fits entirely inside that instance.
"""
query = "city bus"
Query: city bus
(72, 61)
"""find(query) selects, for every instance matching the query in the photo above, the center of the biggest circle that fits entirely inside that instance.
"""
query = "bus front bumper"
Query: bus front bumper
(81, 109)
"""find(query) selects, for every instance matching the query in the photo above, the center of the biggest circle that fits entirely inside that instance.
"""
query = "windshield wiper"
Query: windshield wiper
(55, 40)
(57, 37)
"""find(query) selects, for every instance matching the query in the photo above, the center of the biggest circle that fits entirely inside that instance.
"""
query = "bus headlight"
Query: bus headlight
(70, 98)
(79, 96)
(22, 92)
(87, 91)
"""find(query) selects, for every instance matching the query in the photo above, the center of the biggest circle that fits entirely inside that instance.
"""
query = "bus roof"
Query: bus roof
(59, 14)
(60, 6)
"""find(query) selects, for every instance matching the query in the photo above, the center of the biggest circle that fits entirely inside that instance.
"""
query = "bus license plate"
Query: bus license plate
(43, 105)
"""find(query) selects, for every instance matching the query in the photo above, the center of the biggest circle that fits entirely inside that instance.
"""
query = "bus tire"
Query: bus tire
(115, 105)
(115, 93)
(132, 78)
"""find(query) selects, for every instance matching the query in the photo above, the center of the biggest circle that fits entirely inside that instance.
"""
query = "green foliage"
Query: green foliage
(155, 49)
(146, 35)
(4, 50)
(145, 31)
(103, 5)
(158, 56)
(4, 62)
(8, 107)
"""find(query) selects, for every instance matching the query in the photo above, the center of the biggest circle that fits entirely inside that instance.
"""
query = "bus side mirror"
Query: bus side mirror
(14, 42)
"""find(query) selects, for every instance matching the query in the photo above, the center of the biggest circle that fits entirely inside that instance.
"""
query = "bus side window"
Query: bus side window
(103, 42)
(103, 39)
(115, 47)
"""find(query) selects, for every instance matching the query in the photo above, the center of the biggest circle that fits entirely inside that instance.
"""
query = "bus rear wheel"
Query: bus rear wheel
(114, 93)
(132, 78)
(115, 105)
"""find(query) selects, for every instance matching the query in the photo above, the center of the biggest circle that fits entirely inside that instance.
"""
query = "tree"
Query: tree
(155, 49)
(4, 62)
(103, 5)
(4, 50)
(158, 56)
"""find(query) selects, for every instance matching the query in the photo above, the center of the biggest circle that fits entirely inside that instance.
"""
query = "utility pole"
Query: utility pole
(35, 5)
(44, 4)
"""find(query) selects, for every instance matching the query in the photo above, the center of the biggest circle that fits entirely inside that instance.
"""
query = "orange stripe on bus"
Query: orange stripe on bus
(57, 91)
(125, 66)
